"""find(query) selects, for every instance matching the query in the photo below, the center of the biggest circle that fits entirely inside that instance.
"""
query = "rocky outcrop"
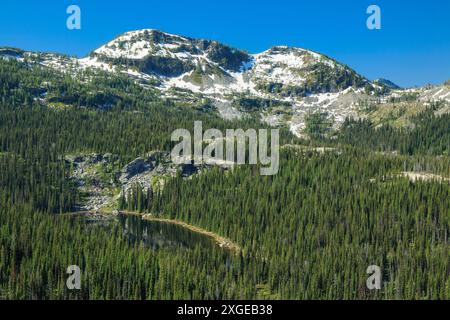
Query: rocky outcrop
(135, 167)
(97, 176)
(90, 173)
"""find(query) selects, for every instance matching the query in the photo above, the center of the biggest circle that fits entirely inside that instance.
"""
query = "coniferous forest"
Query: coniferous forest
(309, 232)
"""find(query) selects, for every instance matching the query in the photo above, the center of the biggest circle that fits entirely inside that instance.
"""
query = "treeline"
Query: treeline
(27, 83)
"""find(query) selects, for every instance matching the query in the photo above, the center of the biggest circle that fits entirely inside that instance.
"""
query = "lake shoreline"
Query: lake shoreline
(222, 242)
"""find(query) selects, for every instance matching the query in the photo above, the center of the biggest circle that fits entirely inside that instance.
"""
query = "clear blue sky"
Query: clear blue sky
(412, 48)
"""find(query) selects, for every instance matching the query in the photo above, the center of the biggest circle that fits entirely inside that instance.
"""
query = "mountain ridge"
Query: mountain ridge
(280, 85)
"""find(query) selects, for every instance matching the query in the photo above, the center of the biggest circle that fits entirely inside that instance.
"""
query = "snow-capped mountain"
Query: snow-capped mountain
(210, 67)
(280, 85)
(292, 81)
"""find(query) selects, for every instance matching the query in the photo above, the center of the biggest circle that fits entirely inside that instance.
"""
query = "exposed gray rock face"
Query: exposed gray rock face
(188, 170)
(135, 167)
(90, 174)
(98, 177)
(11, 53)
(83, 160)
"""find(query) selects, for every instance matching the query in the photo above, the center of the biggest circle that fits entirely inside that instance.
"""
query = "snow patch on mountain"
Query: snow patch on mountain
(338, 106)
(130, 45)
(88, 62)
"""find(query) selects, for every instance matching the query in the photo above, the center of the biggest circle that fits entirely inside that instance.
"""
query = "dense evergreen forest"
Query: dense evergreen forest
(309, 232)
(316, 226)
(430, 134)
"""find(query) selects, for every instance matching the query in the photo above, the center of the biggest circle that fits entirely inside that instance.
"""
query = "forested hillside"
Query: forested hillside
(315, 227)
(430, 134)
(309, 232)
